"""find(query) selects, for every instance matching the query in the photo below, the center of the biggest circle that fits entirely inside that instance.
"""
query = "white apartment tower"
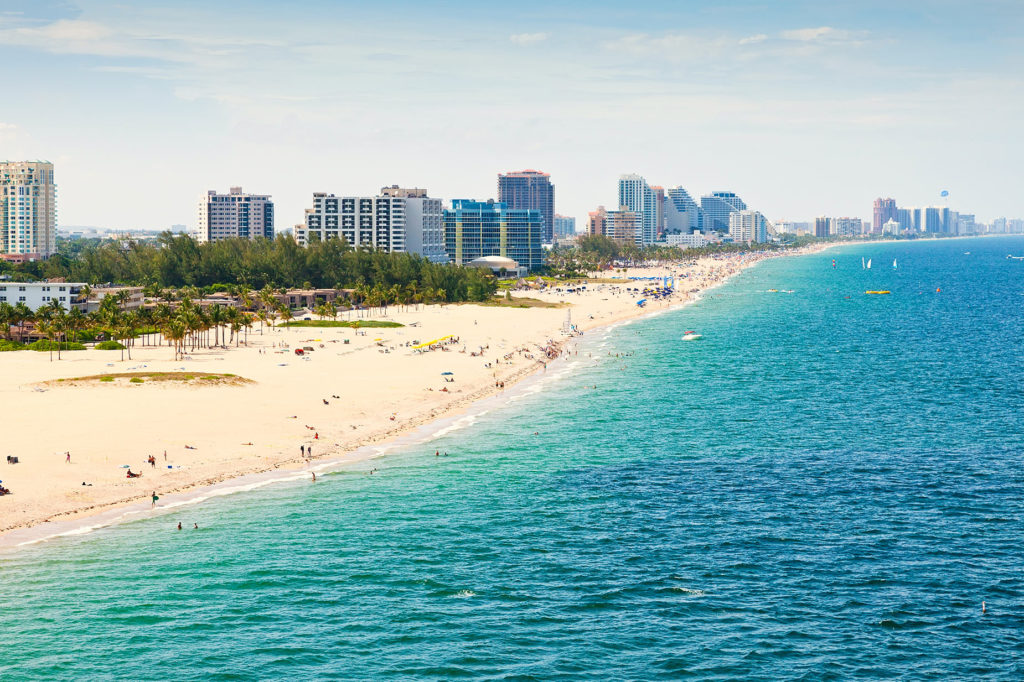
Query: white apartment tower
(235, 214)
(748, 226)
(28, 211)
(399, 220)
(637, 196)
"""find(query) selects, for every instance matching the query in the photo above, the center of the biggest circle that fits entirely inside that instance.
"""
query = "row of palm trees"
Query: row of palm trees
(178, 321)
(183, 326)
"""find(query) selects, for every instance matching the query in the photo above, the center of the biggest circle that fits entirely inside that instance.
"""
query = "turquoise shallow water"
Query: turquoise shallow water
(823, 488)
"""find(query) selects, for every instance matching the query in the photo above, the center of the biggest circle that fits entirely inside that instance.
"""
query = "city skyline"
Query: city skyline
(292, 102)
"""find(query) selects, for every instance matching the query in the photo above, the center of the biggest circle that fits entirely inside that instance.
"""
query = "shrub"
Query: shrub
(106, 379)
(47, 345)
(6, 345)
(109, 345)
(136, 380)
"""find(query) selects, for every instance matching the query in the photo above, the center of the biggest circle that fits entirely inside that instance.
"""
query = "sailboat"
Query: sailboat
(862, 262)
(893, 263)
(869, 263)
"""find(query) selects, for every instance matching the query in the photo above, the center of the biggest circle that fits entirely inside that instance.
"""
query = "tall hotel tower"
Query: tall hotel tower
(28, 212)
(530, 190)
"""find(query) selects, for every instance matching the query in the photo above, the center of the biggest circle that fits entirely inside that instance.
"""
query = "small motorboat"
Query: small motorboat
(692, 336)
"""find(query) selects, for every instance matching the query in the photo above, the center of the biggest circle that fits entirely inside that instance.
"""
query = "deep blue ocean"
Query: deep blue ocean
(826, 486)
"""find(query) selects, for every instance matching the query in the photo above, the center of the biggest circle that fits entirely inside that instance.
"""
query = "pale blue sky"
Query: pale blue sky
(803, 108)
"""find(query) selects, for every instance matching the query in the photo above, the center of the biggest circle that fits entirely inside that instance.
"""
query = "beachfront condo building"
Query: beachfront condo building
(235, 214)
(845, 227)
(637, 196)
(884, 211)
(530, 190)
(625, 226)
(565, 226)
(748, 226)
(28, 210)
(398, 220)
(821, 229)
(424, 222)
(717, 207)
(474, 229)
(682, 214)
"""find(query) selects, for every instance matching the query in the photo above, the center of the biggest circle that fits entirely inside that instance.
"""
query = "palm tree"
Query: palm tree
(6, 319)
(22, 314)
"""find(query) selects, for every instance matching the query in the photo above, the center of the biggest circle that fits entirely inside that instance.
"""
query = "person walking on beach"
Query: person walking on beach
(155, 498)
(67, 459)
(302, 449)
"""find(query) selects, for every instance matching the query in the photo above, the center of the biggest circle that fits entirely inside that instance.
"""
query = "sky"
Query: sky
(803, 108)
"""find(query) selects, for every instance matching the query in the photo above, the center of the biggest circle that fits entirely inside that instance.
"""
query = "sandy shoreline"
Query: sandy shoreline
(354, 398)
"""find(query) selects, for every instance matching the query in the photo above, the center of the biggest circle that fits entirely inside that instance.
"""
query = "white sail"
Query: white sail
(869, 263)
(862, 262)
(893, 263)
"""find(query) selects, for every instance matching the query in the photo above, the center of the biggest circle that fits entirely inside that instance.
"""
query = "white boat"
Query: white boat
(692, 336)
(893, 263)
(862, 262)
(869, 263)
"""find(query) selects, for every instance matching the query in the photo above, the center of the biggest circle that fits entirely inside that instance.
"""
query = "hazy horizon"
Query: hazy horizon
(801, 108)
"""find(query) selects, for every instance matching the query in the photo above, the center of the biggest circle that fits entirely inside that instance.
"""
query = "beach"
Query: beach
(76, 440)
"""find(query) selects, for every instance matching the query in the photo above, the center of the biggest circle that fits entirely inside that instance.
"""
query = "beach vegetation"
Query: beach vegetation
(44, 345)
(208, 378)
(6, 345)
(354, 324)
(109, 345)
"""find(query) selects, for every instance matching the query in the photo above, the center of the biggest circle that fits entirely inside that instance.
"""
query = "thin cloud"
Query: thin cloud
(754, 39)
(821, 34)
(528, 38)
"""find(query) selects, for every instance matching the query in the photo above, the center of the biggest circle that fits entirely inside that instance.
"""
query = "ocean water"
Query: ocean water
(827, 486)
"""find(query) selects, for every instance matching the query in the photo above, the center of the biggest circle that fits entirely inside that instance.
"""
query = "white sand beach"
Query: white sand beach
(354, 388)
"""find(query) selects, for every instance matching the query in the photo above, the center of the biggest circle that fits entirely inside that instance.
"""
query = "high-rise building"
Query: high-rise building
(565, 226)
(596, 222)
(530, 190)
(659, 210)
(906, 220)
(235, 214)
(885, 210)
(717, 206)
(845, 227)
(966, 225)
(624, 226)
(636, 195)
(748, 226)
(28, 210)
(364, 222)
(474, 229)
(682, 214)
(424, 222)
(821, 227)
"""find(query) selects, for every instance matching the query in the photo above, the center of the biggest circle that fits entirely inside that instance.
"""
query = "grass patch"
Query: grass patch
(208, 378)
(109, 345)
(522, 302)
(354, 324)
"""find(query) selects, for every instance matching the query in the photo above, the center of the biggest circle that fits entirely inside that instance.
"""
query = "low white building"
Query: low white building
(690, 240)
(36, 295)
